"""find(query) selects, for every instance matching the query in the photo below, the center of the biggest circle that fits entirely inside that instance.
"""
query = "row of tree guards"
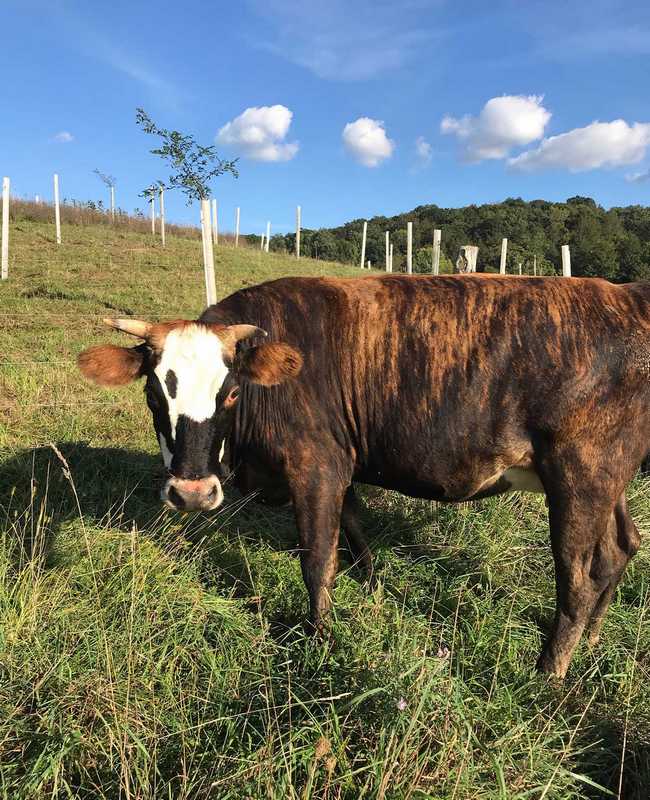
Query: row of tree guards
(466, 261)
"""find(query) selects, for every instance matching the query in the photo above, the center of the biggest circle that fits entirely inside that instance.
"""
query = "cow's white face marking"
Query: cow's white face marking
(194, 355)
(164, 449)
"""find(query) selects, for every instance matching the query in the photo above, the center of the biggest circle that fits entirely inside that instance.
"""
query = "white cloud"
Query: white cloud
(423, 151)
(63, 137)
(502, 124)
(601, 144)
(366, 141)
(638, 177)
(259, 132)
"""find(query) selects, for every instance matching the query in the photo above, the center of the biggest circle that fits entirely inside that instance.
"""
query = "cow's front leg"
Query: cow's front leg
(318, 516)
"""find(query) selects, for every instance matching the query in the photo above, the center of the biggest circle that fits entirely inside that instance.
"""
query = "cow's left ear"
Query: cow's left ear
(269, 364)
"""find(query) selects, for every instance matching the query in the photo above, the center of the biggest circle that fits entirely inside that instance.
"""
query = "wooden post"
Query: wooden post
(208, 253)
(215, 223)
(161, 203)
(4, 259)
(57, 211)
(152, 205)
(387, 251)
(368, 266)
(37, 200)
(237, 227)
(566, 261)
(520, 267)
(262, 243)
(409, 248)
(467, 257)
(504, 254)
(113, 203)
(535, 266)
(391, 258)
(298, 227)
(435, 257)
(363, 244)
(268, 237)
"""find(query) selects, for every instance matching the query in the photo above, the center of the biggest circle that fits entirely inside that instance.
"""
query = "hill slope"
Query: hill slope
(148, 655)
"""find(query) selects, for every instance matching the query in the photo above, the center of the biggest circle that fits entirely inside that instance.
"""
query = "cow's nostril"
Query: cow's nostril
(175, 498)
(213, 492)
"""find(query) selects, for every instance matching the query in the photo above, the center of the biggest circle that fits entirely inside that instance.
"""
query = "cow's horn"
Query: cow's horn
(246, 331)
(134, 327)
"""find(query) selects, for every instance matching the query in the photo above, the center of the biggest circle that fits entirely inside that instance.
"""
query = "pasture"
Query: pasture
(146, 655)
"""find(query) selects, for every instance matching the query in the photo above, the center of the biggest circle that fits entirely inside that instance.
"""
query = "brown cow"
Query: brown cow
(449, 388)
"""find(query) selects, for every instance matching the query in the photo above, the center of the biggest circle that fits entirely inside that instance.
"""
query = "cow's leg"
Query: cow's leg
(579, 522)
(350, 520)
(318, 516)
(614, 552)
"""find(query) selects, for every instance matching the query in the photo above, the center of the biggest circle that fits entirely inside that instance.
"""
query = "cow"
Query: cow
(452, 388)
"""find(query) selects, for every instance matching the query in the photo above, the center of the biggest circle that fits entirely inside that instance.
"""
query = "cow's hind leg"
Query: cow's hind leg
(351, 522)
(579, 522)
(611, 558)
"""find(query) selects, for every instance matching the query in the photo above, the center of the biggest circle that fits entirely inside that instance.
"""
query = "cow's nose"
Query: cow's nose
(203, 494)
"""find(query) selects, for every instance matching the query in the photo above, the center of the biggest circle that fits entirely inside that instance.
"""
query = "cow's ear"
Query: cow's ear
(110, 365)
(269, 364)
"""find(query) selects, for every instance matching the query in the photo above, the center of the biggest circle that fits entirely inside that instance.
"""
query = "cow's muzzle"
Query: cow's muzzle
(203, 494)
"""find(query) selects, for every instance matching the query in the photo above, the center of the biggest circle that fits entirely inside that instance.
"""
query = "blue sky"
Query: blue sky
(349, 109)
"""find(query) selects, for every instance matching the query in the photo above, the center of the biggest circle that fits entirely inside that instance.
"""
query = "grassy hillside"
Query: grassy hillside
(148, 655)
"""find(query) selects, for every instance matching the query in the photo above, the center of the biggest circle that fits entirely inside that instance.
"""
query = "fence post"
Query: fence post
(409, 248)
(467, 257)
(161, 203)
(37, 200)
(363, 244)
(208, 253)
(268, 237)
(504, 254)
(368, 265)
(152, 207)
(435, 264)
(535, 266)
(57, 211)
(215, 223)
(391, 258)
(237, 227)
(113, 203)
(298, 227)
(387, 251)
(520, 267)
(262, 243)
(4, 271)
(566, 261)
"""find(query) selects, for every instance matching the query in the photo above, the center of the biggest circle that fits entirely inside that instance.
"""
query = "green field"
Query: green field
(148, 655)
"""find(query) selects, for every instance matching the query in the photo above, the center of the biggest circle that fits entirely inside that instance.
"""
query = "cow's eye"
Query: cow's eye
(152, 400)
(231, 397)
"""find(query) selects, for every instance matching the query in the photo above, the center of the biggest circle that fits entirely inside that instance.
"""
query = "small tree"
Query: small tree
(109, 182)
(193, 165)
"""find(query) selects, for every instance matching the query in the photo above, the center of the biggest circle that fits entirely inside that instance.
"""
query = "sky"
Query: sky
(350, 109)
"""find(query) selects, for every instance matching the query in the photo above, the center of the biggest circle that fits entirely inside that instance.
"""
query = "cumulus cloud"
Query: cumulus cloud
(259, 133)
(601, 144)
(366, 141)
(638, 177)
(63, 137)
(502, 124)
(423, 152)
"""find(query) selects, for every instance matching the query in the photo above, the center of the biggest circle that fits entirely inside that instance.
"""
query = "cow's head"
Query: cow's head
(193, 375)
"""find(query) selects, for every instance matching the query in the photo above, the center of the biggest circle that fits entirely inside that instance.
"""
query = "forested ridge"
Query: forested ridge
(613, 244)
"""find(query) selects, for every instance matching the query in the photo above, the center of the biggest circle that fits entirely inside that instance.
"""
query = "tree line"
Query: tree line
(612, 244)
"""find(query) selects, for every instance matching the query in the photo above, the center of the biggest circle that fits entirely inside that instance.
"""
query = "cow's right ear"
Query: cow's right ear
(110, 365)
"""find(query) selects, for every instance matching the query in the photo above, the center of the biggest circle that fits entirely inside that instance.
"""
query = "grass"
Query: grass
(148, 655)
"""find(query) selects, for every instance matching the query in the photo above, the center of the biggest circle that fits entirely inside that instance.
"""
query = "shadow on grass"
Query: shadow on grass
(602, 762)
